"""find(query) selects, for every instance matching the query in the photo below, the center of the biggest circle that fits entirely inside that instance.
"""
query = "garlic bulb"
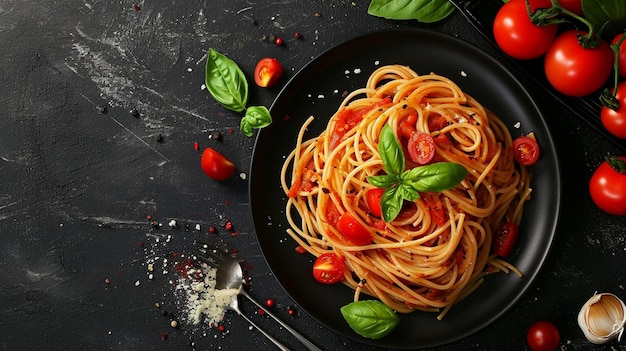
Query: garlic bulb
(602, 318)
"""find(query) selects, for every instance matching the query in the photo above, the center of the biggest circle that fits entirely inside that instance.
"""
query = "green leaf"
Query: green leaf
(611, 12)
(390, 151)
(256, 117)
(226, 82)
(383, 181)
(391, 203)
(426, 11)
(435, 177)
(370, 318)
(408, 192)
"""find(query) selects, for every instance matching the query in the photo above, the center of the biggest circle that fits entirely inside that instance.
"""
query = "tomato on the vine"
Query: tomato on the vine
(607, 186)
(543, 336)
(268, 72)
(615, 120)
(574, 70)
(576, 6)
(216, 165)
(621, 58)
(329, 268)
(525, 150)
(517, 35)
(354, 231)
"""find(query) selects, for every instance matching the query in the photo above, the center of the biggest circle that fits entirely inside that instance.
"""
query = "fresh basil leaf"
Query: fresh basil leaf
(256, 117)
(226, 82)
(391, 203)
(435, 177)
(383, 181)
(611, 12)
(426, 11)
(370, 318)
(408, 192)
(390, 151)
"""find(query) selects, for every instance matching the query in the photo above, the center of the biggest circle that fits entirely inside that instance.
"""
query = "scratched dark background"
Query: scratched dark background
(78, 184)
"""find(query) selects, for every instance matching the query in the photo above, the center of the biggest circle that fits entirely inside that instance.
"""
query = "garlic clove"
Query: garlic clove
(602, 318)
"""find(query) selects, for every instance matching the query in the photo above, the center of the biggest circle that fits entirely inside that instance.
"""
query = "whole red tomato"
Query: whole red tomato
(268, 72)
(543, 336)
(576, 6)
(574, 70)
(621, 58)
(607, 186)
(615, 120)
(515, 33)
(216, 165)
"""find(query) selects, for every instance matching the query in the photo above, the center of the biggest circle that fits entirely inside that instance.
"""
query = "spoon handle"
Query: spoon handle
(300, 338)
(276, 342)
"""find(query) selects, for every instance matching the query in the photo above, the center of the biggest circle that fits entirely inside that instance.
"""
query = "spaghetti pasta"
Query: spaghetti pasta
(438, 249)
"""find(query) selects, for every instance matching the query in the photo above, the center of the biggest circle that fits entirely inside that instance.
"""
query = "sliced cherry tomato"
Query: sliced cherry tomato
(574, 70)
(525, 150)
(543, 336)
(329, 268)
(517, 35)
(421, 147)
(373, 197)
(607, 186)
(504, 239)
(621, 58)
(216, 165)
(354, 231)
(615, 120)
(268, 72)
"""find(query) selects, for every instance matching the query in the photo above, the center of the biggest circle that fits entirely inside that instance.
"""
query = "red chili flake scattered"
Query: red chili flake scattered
(221, 327)
(141, 244)
(260, 312)
(269, 302)
(227, 202)
(291, 311)
(278, 41)
(234, 234)
(228, 226)
(107, 281)
(149, 217)
(212, 229)
(286, 117)
(297, 35)
(164, 335)
(231, 130)
(300, 249)
(196, 146)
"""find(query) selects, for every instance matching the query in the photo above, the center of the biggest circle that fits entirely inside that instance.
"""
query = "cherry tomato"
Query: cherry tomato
(615, 121)
(515, 33)
(329, 268)
(525, 150)
(543, 336)
(354, 231)
(268, 72)
(576, 6)
(215, 165)
(373, 197)
(574, 70)
(421, 147)
(505, 238)
(621, 58)
(607, 186)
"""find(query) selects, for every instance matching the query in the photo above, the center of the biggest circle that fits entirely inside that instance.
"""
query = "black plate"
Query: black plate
(316, 90)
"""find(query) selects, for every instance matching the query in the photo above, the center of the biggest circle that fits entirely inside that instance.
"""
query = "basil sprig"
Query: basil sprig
(426, 11)
(403, 185)
(228, 85)
(370, 318)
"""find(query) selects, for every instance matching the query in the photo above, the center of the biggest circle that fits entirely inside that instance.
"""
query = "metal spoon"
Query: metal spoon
(229, 275)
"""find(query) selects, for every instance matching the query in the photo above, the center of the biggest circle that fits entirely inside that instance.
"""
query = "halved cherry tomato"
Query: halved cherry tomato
(216, 165)
(607, 186)
(373, 197)
(525, 150)
(421, 147)
(329, 268)
(504, 239)
(354, 231)
(268, 72)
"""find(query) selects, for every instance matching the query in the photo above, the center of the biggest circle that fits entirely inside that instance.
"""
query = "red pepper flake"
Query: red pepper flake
(300, 249)
(196, 146)
(234, 234)
(141, 244)
(286, 117)
(231, 130)
(227, 202)
(228, 226)
(149, 217)
(107, 281)
(260, 312)
(212, 229)
(164, 335)
(269, 302)
(221, 327)
(278, 41)
(291, 311)
(297, 35)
